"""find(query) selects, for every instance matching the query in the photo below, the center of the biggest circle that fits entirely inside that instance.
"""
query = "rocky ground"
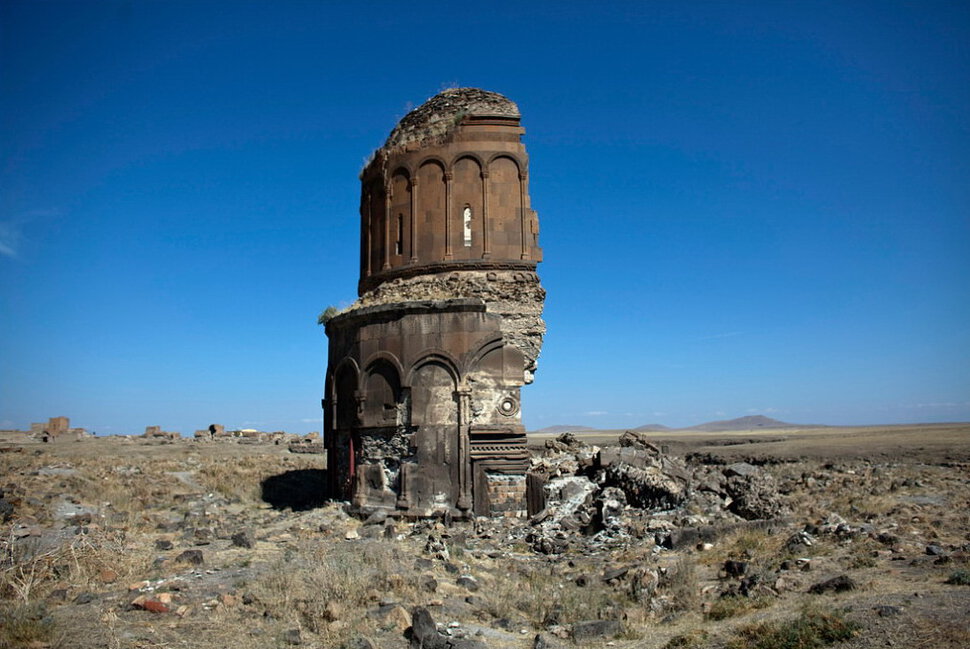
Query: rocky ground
(123, 543)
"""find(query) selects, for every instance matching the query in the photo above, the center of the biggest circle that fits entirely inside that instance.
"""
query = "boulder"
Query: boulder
(839, 584)
(243, 539)
(632, 439)
(753, 496)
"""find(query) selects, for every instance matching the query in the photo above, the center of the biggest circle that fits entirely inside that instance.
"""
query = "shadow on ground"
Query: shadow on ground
(298, 490)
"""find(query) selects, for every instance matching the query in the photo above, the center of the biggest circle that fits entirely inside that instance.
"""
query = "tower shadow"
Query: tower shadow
(298, 490)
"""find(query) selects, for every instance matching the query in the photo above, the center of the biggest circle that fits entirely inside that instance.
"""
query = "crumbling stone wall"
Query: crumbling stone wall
(506, 494)
(516, 296)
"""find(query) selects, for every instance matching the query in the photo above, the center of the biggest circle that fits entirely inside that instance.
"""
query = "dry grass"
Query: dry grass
(26, 625)
(29, 570)
(813, 628)
(319, 589)
(733, 606)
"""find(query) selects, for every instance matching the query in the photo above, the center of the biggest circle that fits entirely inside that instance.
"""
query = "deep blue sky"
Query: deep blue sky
(746, 207)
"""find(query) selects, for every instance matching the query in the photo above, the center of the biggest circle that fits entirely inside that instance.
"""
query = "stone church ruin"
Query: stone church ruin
(422, 405)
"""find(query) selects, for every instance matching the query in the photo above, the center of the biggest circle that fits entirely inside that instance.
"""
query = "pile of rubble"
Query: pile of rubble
(609, 496)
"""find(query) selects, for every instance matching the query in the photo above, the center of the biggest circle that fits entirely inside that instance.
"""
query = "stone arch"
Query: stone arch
(434, 158)
(478, 351)
(387, 357)
(403, 169)
(471, 155)
(381, 394)
(502, 154)
(443, 358)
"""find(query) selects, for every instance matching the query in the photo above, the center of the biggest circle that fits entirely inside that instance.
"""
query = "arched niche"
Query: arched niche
(345, 396)
(400, 217)
(382, 395)
(467, 193)
(505, 207)
(430, 216)
(432, 395)
(377, 210)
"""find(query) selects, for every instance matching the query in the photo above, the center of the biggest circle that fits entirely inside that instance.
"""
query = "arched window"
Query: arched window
(467, 219)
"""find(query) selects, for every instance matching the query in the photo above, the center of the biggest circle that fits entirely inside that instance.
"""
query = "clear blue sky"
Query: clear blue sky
(752, 207)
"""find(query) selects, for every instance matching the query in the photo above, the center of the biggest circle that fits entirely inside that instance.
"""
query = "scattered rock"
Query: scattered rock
(887, 611)
(85, 598)
(754, 496)
(360, 642)
(735, 568)
(424, 632)
(838, 584)
(742, 469)
(150, 604)
(543, 641)
(243, 539)
(107, 576)
(392, 616)
(468, 582)
(193, 557)
(587, 630)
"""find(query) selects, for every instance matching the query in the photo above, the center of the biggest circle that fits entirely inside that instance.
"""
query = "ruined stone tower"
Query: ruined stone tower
(421, 411)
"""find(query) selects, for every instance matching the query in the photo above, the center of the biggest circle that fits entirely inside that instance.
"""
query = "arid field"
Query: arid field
(122, 542)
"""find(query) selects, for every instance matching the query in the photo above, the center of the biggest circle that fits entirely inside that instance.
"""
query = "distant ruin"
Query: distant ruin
(421, 405)
(56, 428)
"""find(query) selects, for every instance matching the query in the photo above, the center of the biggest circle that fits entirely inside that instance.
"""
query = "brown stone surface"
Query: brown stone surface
(422, 391)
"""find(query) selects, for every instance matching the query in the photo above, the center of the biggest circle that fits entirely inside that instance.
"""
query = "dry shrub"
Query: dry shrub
(733, 606)
(754, 545)
(694, 639)
(544, 597)
(30, 568)
(813, 628)
(862, 554)
(314, 587)
(680, 582)
(959, 578)
(942, 633)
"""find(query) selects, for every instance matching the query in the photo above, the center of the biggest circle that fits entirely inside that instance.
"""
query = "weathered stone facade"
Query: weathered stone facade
(421, 410)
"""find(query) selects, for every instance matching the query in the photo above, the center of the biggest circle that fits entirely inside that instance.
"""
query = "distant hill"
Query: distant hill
(751, 422)
(743, 423)
(556, 430)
